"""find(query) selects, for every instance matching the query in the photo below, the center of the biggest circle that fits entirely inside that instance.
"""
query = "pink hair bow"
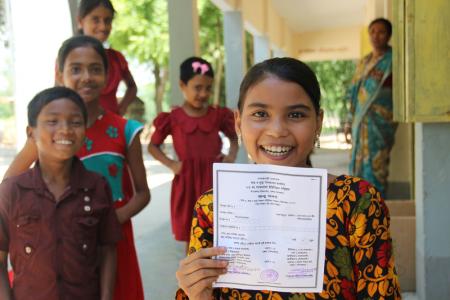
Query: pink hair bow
(196, 65)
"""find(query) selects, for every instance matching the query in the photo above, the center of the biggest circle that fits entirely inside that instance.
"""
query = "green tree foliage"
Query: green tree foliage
(212, 48)
(211, 44)
(211, 30)
(249, 51)
(334, 78)
(140, 30)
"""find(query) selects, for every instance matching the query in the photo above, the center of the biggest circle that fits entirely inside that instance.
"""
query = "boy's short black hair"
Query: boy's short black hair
(195, 66)
(49, 95)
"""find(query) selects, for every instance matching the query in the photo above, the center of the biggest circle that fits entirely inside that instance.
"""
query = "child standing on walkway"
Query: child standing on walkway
(95, 19)
(57, 220)
(195, 128)
(111, 147)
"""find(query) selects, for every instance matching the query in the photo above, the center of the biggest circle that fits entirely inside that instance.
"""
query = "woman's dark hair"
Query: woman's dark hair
(284, 68)
(86, 6)
(195, 66)
(387, 24)
(77, 42)
(49, 95)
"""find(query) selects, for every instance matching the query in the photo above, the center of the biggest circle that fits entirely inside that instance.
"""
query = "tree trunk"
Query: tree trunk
(161, 76)
(217, 81)
(219, 65)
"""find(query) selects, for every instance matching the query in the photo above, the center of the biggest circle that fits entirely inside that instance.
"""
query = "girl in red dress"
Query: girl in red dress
(111, 147)
(95, 19)
(195, 128)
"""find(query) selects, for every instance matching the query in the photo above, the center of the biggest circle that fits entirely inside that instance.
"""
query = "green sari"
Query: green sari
(373, 129)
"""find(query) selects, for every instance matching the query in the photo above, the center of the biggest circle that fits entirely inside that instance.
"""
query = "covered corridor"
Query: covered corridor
(309, 30)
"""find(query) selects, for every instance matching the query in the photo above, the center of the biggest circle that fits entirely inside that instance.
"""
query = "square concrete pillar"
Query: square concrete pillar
(234, 55)
(235, 66)
(261, 48)
(183, 41)
(432, 169)
(73, 6)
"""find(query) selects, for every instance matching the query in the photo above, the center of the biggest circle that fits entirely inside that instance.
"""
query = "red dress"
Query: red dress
(198, 145)
(104, 151)
(117, 70)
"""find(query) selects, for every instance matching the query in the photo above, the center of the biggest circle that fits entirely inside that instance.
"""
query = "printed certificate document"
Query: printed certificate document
(272, 220)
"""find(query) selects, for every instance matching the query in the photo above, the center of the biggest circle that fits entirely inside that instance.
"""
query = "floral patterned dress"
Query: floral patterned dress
(359, 263)
(104, 151)
(373, 128)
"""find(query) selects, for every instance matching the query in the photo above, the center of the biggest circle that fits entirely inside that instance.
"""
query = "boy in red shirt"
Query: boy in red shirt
(57, 221)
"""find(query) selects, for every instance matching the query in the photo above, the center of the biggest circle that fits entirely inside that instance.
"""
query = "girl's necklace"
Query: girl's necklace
(99, 116)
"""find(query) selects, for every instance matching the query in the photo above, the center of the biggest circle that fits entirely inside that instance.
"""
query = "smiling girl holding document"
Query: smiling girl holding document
(279, 119)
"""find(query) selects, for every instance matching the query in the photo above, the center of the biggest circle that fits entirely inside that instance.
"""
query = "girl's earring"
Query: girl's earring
(239, 139)
(318, 141)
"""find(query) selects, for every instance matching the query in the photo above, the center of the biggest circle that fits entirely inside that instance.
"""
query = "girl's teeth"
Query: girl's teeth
(63, 142)
(277, 150)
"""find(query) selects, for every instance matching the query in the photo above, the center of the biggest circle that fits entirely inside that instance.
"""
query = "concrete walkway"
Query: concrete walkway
(158, 252)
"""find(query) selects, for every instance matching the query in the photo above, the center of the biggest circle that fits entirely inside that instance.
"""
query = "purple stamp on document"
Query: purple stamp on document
(269, 275)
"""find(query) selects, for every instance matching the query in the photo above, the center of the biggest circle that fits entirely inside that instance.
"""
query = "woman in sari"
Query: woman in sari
(370, 120)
